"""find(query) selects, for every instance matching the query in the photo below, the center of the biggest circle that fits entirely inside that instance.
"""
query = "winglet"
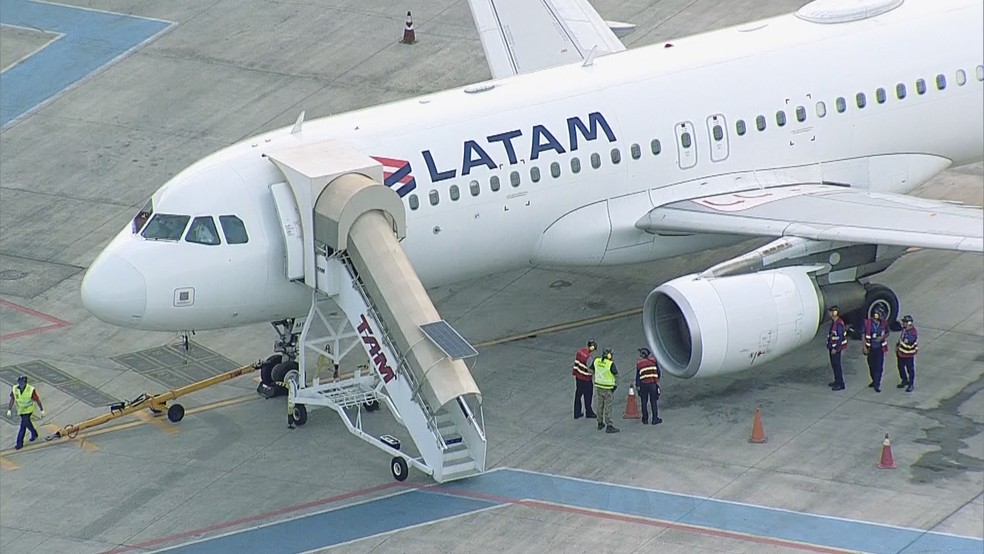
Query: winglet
(298, 123)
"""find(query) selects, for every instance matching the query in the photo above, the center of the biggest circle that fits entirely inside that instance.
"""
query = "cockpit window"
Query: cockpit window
(143, 215)
(235, 231)
(203, 231)
(166, 227)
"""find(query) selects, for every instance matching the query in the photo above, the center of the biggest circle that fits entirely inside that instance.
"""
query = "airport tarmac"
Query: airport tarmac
(74, 171)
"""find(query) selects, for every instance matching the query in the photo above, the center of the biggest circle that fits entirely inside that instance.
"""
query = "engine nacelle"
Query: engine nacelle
(726, 324)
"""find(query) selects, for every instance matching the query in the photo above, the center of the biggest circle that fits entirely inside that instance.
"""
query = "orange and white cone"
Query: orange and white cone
(409, 37)
(631, 408)
(887, 461)
(758, 432)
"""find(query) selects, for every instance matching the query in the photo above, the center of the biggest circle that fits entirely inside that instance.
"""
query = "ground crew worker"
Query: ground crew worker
(605, 374)
(647, 381)
(836, 343)
(875, 346)
(24, 397)
(905, 354)
(583, 373)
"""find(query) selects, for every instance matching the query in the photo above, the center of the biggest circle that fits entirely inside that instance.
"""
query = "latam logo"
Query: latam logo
(396, 174)
(540, 139)
(375, 350)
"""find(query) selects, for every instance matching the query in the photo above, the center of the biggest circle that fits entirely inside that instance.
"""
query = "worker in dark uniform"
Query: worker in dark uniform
(647, 381)
(605, 375)
(24, 397)
(583, 373)
(905, 354)
(836, 343)
(875, 346)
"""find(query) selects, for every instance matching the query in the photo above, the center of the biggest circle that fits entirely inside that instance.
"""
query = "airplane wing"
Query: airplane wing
(520, 36)
(825, 212)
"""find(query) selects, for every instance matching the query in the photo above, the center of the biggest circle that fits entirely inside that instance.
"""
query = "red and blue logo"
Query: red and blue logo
(396, 175)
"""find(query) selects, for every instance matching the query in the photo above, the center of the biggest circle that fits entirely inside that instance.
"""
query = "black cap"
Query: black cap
(833, 308)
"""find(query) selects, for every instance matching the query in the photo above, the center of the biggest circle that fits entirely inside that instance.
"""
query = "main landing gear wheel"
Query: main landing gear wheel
(300, 414)
(399, 468)
(175, 413)
(880, 296)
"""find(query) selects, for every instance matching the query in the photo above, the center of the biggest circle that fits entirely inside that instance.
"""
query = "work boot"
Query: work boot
(910, 388)
(591, 416)
(902, 385)
(645, 422)
(34, 438)
(877, 388)
(577, 416)
(601, 426)
(837, 387)
(871, 385)
(657, 421)
(611, 429)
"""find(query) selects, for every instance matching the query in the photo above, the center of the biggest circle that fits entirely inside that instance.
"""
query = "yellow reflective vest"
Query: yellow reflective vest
(23, 400)
(603, 378)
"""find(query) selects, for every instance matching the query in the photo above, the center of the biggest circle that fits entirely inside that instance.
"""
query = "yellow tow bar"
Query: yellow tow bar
(156, 403)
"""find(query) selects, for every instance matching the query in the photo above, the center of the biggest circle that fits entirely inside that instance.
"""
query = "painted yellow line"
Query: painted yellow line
(7, 465)
(560, 327)
(155, 420)
(88, 446)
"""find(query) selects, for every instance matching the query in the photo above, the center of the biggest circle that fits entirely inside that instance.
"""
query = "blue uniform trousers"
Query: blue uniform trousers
(907, 370)
(876, 364)
(835, 364)
(25, 425)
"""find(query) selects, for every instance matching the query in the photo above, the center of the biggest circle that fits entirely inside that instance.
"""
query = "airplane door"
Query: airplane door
(291, 229)
(686, 145)
(717, 134)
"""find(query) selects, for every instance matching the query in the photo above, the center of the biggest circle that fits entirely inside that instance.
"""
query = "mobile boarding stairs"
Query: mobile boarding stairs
(342, 228)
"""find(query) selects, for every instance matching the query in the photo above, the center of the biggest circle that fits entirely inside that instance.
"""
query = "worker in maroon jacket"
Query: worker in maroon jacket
(583, 374)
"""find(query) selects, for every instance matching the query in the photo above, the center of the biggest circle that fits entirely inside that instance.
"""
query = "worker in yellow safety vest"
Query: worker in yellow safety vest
(24, 397)
(605, 385)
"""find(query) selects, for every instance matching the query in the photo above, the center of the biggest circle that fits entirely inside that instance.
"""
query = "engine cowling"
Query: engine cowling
(722, 325)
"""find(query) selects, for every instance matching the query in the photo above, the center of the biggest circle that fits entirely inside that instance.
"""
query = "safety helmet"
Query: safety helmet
(607, 354)
(907, 319)
(592, 345)
(644, 352)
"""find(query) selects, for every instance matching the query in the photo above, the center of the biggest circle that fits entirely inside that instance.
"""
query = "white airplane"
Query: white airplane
(809, 127)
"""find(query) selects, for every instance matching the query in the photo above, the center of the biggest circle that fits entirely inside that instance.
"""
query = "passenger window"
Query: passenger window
(900, 91)
(454, 192)
(861, 100)
(595, 160)
(555, 170)
(494, 183)
(821, 109)
(655, 147)
(800, 114)
(616, 155)
(143, 215)
(760, 123)
(474, 188)
(685, 140)
(166, 227)
(921, 86)
(535, 174)
(880, 95)
(414, 202)
(980, 72)
(961, 77)
(203, 231)
(514, 178)
(740, 127)
(635, 151)
(780, 118)
(233, 229)
(941, 81)
(434, 197)
(841, 104)
(575, 165)
(718, 132)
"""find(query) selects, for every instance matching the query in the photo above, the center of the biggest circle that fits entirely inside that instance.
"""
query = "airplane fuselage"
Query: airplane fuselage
(556, 167)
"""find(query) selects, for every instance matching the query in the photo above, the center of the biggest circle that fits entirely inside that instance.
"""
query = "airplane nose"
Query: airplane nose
(114, 291)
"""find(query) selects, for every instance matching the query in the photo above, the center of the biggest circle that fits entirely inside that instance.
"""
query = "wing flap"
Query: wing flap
(520, 36)
(825, 212)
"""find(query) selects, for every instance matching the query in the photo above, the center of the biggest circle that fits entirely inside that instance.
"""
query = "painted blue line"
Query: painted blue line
(91, 40)
(716, 514)
(338, 526)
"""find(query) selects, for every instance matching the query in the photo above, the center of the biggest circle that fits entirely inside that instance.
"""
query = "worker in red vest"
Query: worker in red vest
(875, 346)
(647, 381)
(905, 354)
(583, 374)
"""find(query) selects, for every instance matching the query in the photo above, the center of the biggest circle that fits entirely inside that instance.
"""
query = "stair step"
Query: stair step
(459, 468)
(452, 455)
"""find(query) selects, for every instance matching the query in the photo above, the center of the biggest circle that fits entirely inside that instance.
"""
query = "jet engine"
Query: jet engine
(721, 325)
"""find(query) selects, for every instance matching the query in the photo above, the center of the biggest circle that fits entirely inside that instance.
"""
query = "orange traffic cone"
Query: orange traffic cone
(631, 409)
(887, 461)
(758, 432)
(409, 37)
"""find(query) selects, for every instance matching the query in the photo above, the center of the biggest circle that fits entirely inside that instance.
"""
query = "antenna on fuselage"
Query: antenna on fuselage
(298, 123)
